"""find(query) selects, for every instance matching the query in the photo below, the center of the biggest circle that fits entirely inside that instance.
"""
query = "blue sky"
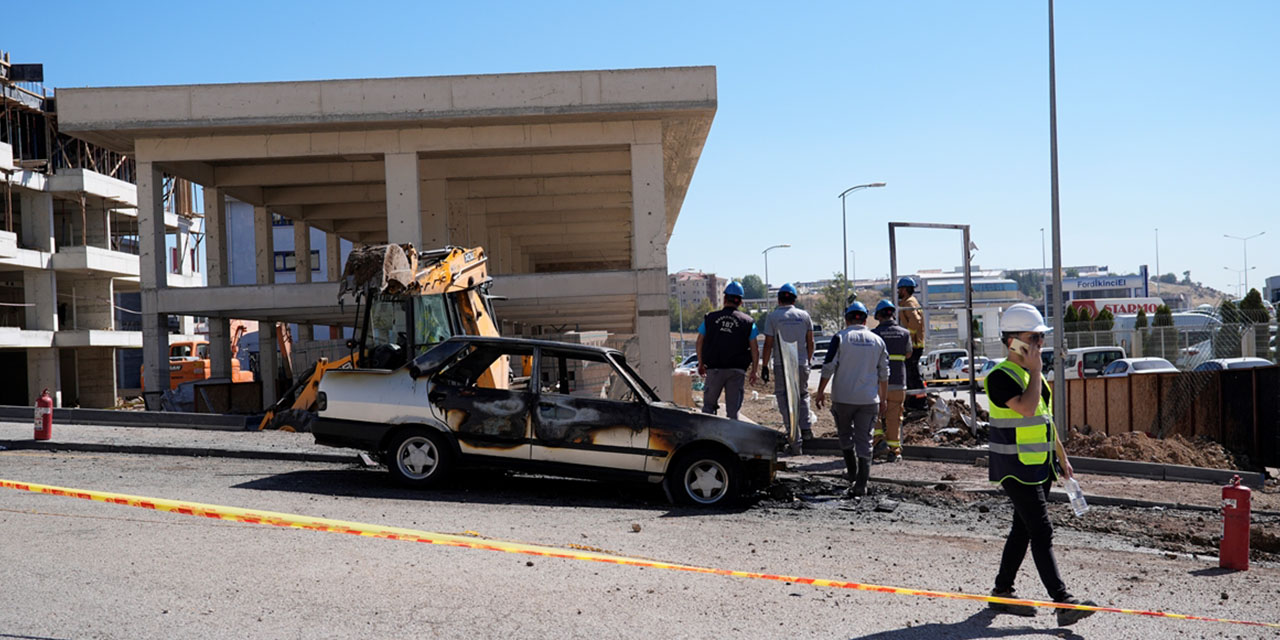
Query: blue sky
(1167, 111)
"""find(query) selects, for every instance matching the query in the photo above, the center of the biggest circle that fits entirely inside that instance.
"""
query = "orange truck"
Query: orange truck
(189, 361)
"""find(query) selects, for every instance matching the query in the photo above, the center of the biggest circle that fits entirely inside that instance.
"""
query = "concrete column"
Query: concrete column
(216, 265)
(36, 211)
(265, 266)
(94, 303)
(333, 269)
(404, 218)
(435, 214)
(302, 270)
(98, 228)
(96, 377)
(44, 372)
(154, 276)
(40, 288)
(649, 260)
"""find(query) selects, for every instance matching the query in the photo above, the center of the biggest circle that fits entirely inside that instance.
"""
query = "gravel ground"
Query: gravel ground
(73, 568)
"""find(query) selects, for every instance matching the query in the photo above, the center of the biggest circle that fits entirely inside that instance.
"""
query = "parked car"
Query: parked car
(1220, 364)
(934, 363)
(1046, 357)
(960, 368)
(577, 411)
(990, 364)
(690, 363)
(1126, 366)
(1088, 362)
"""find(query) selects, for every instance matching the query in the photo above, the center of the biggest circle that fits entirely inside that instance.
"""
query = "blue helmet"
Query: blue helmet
(882, 305)
(907, 281)
(856, 307)
(734, 289)
(787, 288)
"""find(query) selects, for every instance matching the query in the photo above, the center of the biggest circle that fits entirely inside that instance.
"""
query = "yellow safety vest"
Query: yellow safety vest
(1020, 448)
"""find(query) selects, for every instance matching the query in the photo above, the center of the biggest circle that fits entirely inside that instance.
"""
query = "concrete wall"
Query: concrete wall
(96, 372)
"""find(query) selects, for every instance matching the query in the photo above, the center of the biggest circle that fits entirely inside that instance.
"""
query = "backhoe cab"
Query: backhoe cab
(407, 301)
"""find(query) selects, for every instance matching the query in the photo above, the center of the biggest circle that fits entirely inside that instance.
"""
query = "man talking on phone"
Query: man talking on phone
(1023, 445)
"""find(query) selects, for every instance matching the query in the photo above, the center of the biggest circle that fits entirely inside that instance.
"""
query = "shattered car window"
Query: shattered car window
(574, 374)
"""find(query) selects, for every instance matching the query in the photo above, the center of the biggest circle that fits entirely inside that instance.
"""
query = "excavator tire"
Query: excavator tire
(295, 420)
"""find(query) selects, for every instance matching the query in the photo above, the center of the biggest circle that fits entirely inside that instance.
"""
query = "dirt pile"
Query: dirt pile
(953, 416)
(1138, 446)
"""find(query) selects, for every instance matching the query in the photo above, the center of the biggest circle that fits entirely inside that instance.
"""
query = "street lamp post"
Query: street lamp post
(844, 230)
(1241, 274)
(1245, 242)
(766, 264)
(1158, 261)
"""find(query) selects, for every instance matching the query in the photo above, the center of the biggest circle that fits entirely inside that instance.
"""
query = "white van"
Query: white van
(934, 363)
(1088, 362)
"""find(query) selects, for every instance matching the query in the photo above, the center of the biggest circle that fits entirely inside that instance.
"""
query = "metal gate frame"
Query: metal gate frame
(968, 295)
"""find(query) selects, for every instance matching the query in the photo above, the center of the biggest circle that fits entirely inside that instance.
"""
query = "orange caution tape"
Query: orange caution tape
(468, 542)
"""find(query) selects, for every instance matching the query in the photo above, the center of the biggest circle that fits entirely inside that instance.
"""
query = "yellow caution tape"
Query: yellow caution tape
(250, 516)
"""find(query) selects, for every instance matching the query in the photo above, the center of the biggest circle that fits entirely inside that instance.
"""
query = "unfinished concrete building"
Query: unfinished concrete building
(572, 181)
(68, 253)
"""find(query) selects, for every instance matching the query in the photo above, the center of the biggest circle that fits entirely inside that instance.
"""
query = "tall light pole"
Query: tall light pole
(1043, 269)
(1054, 308)
(844, 230)
(766, 264)
(1241, 274)
(854, 276)
(1245, 242)
(1158, 274)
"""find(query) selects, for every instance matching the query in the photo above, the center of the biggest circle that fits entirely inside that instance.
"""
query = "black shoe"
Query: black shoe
(1068, 617)
(1024, 610)
(864, 472)
(880, 450)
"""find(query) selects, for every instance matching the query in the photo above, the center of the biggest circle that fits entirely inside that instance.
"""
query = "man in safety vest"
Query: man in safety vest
(911, 316)
(1023, 444)
(898, 342)
(726, 353)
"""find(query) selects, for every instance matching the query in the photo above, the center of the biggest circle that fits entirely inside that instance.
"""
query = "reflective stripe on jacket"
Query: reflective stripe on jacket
(1021, 448)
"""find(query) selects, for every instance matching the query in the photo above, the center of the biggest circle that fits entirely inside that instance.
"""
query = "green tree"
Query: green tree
(693, 314)
(1162, 338)
(1186, 277)
(1073, 272)
(753, 286)
(1140, 322)
(828, 307)
(1105, 321)
(1168, 278)
(1084, 320)
(1252, 308)
(1030, 283)
(1164, 316)
(1069, 319)
(1229, 313)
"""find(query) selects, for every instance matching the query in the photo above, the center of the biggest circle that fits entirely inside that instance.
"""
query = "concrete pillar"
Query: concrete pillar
(36, 211)
(96, 377)
(435, 214)
(40, 289)
(94, 304)
(154, 276)
(44, 372)
(216, 265)
(302, 270)
(649, 260)
(404, 218)
(265, 266)
(98, 228)
(333, 269)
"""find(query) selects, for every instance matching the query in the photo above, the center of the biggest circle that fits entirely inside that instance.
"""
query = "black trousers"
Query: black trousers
(914, 381)
(1031, 527)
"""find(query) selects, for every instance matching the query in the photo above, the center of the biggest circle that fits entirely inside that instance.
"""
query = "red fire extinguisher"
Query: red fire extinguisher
(1234, 550)
(44, 416)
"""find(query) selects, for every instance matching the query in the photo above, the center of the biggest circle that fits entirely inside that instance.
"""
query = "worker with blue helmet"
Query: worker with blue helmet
(726, 353)
(787, 325)
(857, 365)
(911, 316)
(897, 340)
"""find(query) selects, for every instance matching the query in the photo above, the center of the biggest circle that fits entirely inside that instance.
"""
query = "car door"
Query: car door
(487, 420)
(587, 413)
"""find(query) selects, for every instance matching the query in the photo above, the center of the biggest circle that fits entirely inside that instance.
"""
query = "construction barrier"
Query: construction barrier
(248, 516)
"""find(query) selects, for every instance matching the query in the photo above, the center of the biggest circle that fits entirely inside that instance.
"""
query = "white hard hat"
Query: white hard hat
(1022, 317)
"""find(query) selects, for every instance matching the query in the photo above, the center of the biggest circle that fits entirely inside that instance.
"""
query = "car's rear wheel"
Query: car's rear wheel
(419, 457)
(704, 477)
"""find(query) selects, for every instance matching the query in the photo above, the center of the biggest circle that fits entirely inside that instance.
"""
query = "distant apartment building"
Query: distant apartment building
(692, 287)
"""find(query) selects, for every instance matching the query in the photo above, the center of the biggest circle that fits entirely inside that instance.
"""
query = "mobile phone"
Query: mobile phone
(1019, 347)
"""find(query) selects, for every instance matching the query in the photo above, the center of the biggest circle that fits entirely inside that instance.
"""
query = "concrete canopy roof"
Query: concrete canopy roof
(508, 144)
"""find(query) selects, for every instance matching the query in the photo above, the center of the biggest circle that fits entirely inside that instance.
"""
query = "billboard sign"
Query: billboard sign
(1118, 306)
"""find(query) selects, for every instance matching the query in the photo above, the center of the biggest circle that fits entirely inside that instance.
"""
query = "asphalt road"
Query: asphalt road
(78, 569)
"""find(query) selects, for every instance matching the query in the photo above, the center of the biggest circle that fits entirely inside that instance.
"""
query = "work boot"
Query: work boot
(851, 464)
(1068, 617)
(1025, 610)
(896, 456)
(864, 473)
(880, 450)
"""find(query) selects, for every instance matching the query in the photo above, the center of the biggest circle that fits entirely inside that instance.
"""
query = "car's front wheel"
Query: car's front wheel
(704, 477)
(419, 457)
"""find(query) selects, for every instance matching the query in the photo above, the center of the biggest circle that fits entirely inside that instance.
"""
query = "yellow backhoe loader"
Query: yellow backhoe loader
(406, 302)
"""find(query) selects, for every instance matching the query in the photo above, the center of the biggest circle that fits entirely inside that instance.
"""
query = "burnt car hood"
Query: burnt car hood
(681, 425)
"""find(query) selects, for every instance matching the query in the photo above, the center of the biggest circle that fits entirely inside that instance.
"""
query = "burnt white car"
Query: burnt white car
(540, 406)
